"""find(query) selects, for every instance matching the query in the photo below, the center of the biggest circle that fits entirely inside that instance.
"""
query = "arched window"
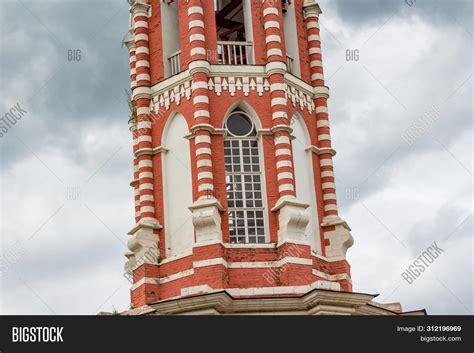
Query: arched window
(304, 178)
(177, 190)
(243, 180)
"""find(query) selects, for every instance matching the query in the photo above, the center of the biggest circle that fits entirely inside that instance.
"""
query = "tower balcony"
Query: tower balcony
(175, 63)
(228, 53)
(290, 64)
(234, 53)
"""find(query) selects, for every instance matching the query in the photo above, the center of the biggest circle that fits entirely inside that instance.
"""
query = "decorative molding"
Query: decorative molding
(280, 127)
(171, 94)
(335, 277)
(140, 6)
(143, 243)
(340, 239)
(321, 150)
(293, 218)
(233, 84)
(311, 9)
(232, 79)
(334, 221)
(299, 97)
(315, 302)
(159, 149)
(207, 220)
(150, 151)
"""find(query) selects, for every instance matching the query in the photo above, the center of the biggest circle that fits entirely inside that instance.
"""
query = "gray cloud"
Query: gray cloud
(62, 97)
(372, 12)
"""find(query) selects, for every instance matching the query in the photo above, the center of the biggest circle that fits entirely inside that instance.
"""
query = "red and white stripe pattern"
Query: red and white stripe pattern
(200, 99)
(276, 63)
(141, 94)
(314, 45)
(322, 118)
(197, 38)
(136, 189)
(133, 64)
(130, 42)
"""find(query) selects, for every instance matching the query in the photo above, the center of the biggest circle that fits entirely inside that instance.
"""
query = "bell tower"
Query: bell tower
(235, 196)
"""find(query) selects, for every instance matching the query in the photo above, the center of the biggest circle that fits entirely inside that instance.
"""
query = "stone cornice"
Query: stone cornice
(167, 86)
(275, 67)
(129, 42)
(145, 223)
(141, 92)
(199, 66)
(237, 70)
(321, 150)
(314, 302)
(170, 82)
(150, 151)
(277, 128)
(207, 127)
(289, 200)
(334, 221)
(321, 92)
(263, 132)
(299, 83)
(199, 204)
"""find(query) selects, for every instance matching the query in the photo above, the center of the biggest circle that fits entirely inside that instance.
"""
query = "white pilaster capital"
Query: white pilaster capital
(199, 66)
(129, 42)
(321, 150)
(321, 92)
(141, 92)
(281, 127)
(140, 7)
(311, 9)
(275, 67)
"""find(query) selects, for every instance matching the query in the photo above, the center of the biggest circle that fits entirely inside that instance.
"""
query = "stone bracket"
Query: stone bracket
(207, 220)
(340, 239)
(143, 244)
(293, 219)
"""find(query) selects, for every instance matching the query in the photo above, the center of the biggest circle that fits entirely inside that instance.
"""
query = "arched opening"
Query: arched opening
(234, 32)
(304, 179)
(246, 201)
(177, 187)
(171, 41)
(291, 39)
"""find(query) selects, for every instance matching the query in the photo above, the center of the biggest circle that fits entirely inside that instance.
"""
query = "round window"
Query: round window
(239, 125)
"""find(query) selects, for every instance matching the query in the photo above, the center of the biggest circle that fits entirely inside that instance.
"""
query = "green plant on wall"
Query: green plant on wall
(132, 116)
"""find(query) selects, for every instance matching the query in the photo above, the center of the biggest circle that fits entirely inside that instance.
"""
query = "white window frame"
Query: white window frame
(229, 137)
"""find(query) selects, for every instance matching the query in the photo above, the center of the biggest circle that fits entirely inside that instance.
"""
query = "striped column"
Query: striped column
(311, 18)
(130, 43)
(199, 70)
(135, 183)
(141, 95)
(276, 69)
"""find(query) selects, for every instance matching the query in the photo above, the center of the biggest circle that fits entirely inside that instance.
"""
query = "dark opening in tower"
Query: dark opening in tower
(234, 46)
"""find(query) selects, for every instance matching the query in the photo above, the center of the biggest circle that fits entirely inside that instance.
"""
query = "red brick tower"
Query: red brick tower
(234, 186)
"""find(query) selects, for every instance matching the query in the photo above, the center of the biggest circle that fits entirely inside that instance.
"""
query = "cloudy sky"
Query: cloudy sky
(66, 164)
